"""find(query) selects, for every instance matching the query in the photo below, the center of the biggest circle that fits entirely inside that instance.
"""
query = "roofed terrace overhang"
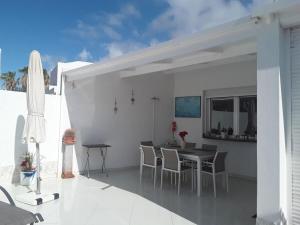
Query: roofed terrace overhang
(232, 41)
(229, 40)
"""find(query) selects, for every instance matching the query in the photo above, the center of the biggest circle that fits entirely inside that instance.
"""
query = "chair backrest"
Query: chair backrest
(147, 143)
(219, 161)
(170, 159)
(209, 147)
(148, 155)
(190, 145)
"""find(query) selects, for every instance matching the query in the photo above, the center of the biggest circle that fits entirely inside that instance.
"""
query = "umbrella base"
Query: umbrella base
(32, 198)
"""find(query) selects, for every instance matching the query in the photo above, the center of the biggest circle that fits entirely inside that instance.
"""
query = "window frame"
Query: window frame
(226, 93)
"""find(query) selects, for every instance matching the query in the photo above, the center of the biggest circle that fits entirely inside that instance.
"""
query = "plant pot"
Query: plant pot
(223, 135)
(69, 140)
(27, 177)
(182, 144)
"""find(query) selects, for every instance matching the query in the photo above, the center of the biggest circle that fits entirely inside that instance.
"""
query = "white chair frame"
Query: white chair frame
(214, 174)
(142, 164)
(178, 171)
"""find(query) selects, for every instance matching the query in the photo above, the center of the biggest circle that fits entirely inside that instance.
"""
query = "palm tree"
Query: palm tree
(46, 79)
(10, 81)
(24, 70)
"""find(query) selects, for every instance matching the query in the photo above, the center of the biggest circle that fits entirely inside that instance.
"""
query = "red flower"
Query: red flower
(182, 134)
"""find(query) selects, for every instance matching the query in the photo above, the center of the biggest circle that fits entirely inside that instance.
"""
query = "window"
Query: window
(231, 113)
(248, 116)
(221, 115)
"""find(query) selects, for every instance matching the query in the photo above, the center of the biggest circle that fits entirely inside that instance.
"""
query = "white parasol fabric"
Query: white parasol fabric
(34, 130)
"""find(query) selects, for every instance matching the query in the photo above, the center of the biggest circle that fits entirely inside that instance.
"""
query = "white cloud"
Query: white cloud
(126, 11)
(85, 31)
(85, 55)
(189, 16)
(104, 25)
(50, 61)
(116, 49)
(111, 32)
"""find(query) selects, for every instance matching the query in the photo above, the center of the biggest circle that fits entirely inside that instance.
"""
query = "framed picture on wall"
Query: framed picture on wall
(188, 107)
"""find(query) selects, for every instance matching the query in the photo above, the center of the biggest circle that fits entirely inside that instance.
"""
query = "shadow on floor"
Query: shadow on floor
(234, 208)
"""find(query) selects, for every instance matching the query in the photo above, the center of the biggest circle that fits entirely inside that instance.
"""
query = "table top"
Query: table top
(96, 145)
(194, 153)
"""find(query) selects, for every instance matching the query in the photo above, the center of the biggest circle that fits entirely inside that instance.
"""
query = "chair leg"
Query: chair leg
(141, 174)
(179, 182)
(161, 178)
(192, 177)
(154, 177)
(171, 178)
(227, 182)
(175, 179)
(214, 183)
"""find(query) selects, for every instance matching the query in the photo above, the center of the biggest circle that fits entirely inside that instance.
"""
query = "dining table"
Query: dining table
(197, 155)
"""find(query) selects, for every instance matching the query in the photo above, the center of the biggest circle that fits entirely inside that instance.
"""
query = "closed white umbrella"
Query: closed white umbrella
(34, 131)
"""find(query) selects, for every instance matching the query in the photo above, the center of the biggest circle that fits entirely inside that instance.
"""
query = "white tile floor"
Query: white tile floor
(120, 199)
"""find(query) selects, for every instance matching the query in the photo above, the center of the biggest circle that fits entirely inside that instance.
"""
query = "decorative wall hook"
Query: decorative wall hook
(132, 97)
(116, 107)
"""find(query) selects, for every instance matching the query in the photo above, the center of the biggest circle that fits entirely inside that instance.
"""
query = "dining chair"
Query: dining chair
(190, 145)
(149, 159)
(216, 167)
(171, 163)
(207, 147)
(146, 143)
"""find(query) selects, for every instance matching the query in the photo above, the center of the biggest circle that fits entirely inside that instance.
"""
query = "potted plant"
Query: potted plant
(182, 135)
(223, 133)
(69, 137)
(230, 131)
(27, 170)
(174, 129)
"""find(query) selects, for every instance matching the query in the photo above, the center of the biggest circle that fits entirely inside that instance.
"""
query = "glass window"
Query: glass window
(248, 116)
(221, 115)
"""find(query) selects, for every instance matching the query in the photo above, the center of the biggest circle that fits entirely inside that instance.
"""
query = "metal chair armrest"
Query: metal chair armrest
(9, 198)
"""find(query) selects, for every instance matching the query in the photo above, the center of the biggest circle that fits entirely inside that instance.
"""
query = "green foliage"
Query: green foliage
(11, 83)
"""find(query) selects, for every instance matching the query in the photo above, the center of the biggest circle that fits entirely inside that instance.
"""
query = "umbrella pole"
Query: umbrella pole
(38, 164)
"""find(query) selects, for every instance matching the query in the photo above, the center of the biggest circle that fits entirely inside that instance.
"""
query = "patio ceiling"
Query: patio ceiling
(227, 41)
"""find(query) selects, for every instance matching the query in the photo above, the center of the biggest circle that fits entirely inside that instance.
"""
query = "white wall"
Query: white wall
(242, 156)
(90, 106)
(13, 112)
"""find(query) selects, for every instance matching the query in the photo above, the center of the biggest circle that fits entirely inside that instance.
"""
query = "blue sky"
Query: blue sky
(97, 29)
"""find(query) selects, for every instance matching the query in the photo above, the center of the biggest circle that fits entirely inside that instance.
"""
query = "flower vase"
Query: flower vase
(27, 177)
(182, 144)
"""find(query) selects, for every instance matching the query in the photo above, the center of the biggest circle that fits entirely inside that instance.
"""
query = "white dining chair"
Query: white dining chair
(216, 167)
(149, 159)
(171, 163)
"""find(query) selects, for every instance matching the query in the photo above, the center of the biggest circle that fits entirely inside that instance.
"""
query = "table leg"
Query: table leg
(87, 164)
(103, 155)
(198, 177)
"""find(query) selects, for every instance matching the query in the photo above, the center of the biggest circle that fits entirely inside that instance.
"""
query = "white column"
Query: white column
(271, 96)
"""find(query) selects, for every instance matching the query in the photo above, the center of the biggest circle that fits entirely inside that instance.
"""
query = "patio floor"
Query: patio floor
(120, 199)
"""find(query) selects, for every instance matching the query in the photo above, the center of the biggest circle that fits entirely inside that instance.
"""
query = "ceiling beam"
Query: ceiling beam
(234, 51)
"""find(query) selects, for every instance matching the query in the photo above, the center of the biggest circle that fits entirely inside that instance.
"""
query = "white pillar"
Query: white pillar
(271, 96)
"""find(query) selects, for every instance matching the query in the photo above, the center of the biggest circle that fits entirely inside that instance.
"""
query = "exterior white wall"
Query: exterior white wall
(90, 104)
(13, 111)
(241, 159)
(273, 98)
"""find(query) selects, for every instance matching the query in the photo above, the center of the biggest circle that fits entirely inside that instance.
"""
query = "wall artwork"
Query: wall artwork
(188, 107)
